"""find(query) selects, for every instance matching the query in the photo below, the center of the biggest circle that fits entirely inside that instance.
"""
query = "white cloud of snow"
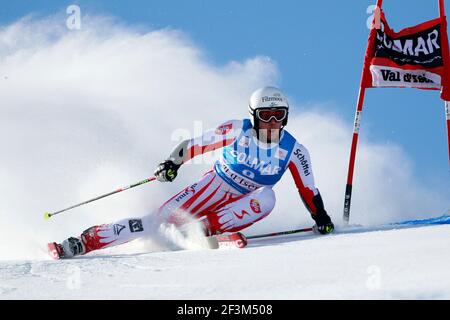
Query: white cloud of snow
(84, 112)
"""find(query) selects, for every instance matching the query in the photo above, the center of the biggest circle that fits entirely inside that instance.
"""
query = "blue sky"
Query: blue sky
(318, 47)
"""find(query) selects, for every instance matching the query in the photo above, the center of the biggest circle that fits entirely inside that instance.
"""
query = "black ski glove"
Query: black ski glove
(323, 225)
(166, 171)
(324, 229)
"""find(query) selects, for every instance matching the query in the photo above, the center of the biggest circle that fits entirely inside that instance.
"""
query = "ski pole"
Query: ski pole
(279, 233)
(48, 215)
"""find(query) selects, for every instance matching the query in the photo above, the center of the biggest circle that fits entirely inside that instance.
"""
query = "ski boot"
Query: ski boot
(69, 248)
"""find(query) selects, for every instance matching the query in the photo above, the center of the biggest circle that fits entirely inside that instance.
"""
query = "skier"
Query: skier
(237, 192)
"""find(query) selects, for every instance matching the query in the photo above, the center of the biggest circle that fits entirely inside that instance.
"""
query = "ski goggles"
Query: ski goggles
(266, 115)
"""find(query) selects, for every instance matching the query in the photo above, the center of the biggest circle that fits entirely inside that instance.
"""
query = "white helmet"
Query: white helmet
(267, 103)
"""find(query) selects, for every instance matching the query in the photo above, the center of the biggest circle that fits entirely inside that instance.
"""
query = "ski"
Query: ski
(54, 251)
(235, 239)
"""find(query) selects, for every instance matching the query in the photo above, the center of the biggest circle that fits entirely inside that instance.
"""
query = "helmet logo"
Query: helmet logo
(269, 99)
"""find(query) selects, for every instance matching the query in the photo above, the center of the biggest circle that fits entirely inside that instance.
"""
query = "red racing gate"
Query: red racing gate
(416, 57)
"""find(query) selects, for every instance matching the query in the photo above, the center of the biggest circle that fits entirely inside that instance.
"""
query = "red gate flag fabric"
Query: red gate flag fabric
(415, 57)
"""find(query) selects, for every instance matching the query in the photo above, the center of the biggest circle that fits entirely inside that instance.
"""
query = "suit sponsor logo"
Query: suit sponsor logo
(118, 228)
(264, 168)
(238, 179)
(304, 163)
(254, 204)
(186, 192)
(136, 225)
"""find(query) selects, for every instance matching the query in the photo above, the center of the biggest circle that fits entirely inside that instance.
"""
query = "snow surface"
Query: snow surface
(410, 263)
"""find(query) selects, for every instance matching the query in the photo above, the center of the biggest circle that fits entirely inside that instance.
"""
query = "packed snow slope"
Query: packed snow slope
(408, 263)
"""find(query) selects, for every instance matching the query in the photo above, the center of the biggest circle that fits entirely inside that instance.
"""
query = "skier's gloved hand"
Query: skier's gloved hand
(166, 171)
(323, 225)
(324, 229)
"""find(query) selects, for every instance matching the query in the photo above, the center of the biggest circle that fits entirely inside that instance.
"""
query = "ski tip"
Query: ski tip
(53, 250)
(47, 216)
(241, 240)
(236, 239)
